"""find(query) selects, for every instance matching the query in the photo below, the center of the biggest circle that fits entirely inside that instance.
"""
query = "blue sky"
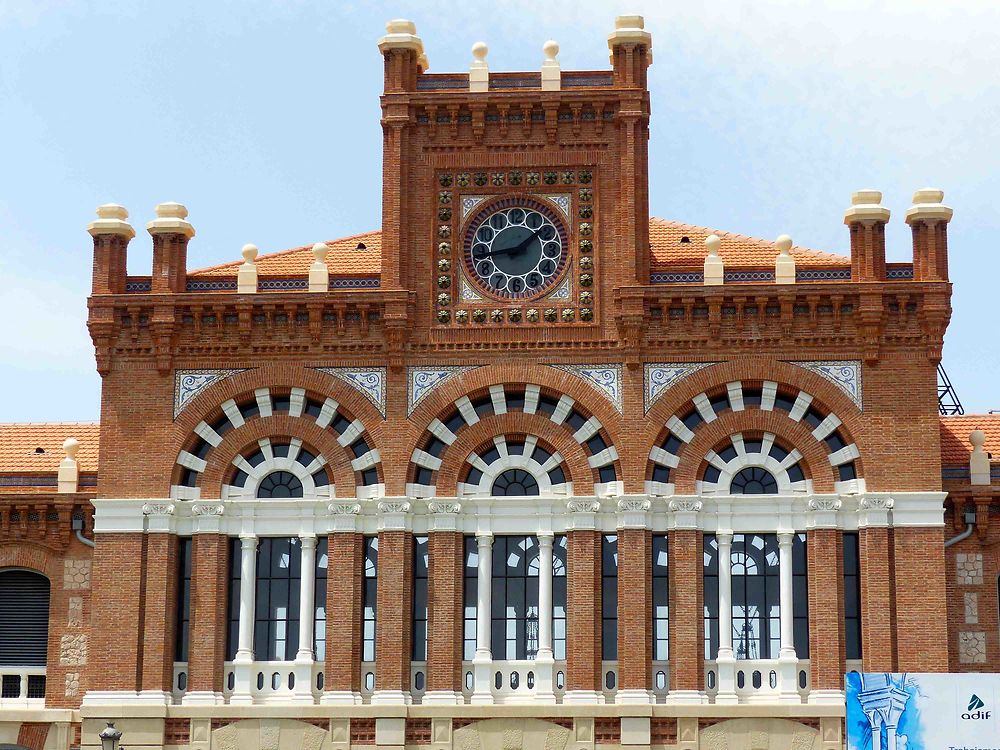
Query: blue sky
(262, 117)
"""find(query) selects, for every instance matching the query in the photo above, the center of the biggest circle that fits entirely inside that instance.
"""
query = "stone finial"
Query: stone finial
(69, 472)
(479, 71)
(979, 459)
(171, 218)
(246, 277)
(319, 274)
(784, 264)
(111, 219)
(714, 268)
(631, 29)
(866, 205)
(927, 206)
(551, 71)
(401, 34)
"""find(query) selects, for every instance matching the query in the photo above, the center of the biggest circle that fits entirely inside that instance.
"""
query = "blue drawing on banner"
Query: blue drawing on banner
(887, 704)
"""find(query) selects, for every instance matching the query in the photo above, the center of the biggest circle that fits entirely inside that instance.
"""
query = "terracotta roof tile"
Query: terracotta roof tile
(36, 447)
(736, 250)
(345, 259)
(665, 237)
(955, 447)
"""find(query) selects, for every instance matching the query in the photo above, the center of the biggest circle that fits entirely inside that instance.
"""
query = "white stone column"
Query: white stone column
(726, 661)
(243, 663)
(544, 660)
(787, 661)
(307, 622)
(482, 662)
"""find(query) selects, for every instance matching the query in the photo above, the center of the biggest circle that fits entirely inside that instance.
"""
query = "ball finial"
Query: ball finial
(551, 49)
(320, 249)
(712, 242)
(784, 244)
(71, 446)
(977, 438)
(479, 51)
(249, 253)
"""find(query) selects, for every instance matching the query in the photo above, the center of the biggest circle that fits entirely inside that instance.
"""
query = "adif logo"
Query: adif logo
(975, 710)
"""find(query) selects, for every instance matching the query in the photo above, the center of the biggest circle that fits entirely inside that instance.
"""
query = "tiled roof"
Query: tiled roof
(36, 447)
(666, 238)
(671, 251)
(345, 259)
(955, 447)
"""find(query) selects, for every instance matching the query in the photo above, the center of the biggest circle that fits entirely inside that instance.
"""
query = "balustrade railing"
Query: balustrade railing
(22, 687)
(661, 681)
(518, 681)
(179, 685)
(273, 682)
(758, 680)
(609, 680)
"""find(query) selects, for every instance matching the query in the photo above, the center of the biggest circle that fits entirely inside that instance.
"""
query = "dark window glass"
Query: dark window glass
(515, 449)
(434, 447)
(281, 403)
(319, 598)
(420, 550)
(280, 450)
(360, 447)
(755, 602)
(847, 472)
(609, 597)
(672, 444)
(753, 480)
(795, 473)
(514, 483)
(276, 621)
(712, 474)
(607, 473)
(188, 478)
(455, 422)
(812, 417)
(321, 478)
(304, 457)
(201, 448)
(235, 571)
(514, 632)
(424, 475)
(661, 473)
(183, 597)
(783, 402)
(752, 397)
(835, 442)
(728, 453)
(491, 455)
(313, 408)
(369, 476)
(710, 584)
(557, 475)
(661, 599)
(541, 455)
(279, 485)
(546, 405)
(470, 598)
(340, 423)
(483, 406)
(720, 403)
(693, 419)
(239, 478)
(369, 597)
(249, 409)
(474, 476)
(515, 400)
(777, 452)
(852, 596)
(576, 420)
(559, 597)
(222, 425)
(596, 444)
(800, 596)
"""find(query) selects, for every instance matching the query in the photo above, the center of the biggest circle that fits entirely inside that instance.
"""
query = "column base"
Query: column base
(203, 698)
(686, 697)
(442, 698)
(482, 699)
(390, 698)
(634, 697)
(583, 697)
(340, 698)
(826, 697)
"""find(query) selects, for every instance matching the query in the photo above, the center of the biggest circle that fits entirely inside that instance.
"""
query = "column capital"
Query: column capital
(632, 512)
(785, 538)
(443, 515)
(873, 511)
(582, 514)
(545, 538)
(484, 538)
(822, 513)
(724, 537)
(308, 541)
(247, 539)
(207, 517)
(394, 515)
(344, 516)
(684, 512)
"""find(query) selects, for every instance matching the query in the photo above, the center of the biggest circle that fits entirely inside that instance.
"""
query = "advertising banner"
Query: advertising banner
(916, 711)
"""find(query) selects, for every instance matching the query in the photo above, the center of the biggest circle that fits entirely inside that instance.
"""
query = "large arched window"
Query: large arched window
(279, 485)
(24, 633)
(515, 467)
(753, 480)
(515, 482)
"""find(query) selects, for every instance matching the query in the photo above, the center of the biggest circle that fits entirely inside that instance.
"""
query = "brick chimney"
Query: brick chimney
(928, 219)
(631, 51)
(404, 56)
(866, 220)
(171, 232)
(111, 233)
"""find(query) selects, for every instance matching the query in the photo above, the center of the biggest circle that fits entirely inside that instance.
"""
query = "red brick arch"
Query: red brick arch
(514, 423)
(32, 557)
(826, 396)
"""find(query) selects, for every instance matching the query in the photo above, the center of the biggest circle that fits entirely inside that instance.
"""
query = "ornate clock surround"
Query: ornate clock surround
(465, 197)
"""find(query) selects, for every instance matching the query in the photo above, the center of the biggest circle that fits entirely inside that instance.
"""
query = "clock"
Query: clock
(516, 250)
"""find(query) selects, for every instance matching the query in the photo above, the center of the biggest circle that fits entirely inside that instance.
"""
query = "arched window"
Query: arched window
(279, 485)
(24, 631)
(514, 483)
(753, 480)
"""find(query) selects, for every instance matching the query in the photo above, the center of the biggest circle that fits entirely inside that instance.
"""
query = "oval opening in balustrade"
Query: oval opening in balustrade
(741, 679)
(756, 680)
(231, 680)
(320, 680)
(802, 679)
(498, 680)
(369, 681)
(418, 680)
(609, 680)
(560, 680)
(291, 680)
(531, 680)
(468, 680)
(182, 681)
(275, 681)
(515, 680)
(260, 680)
(710, 680)
(773, 679)
(661, 680)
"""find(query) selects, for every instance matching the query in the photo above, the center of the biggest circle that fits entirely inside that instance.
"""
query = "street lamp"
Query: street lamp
(110, 737)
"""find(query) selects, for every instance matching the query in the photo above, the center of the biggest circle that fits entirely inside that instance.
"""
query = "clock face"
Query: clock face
(515, 253)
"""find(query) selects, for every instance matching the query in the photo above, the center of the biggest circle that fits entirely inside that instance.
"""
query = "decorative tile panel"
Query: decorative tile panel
(972, 648)
(469, 203)
(189, 383)
(371, 383)
(969, 569)
(420, 381)
(562, 201)
(605, 378)
(466, 292)
(846, 375)
(660, 376)
(564, 290)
